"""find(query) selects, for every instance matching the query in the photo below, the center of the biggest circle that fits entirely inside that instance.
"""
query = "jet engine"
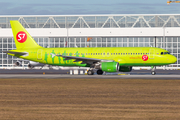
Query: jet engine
(108, 66)
(34, 64)
(18, 63)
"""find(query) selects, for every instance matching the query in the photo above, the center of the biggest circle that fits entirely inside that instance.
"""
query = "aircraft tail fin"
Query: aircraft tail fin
(22, 38)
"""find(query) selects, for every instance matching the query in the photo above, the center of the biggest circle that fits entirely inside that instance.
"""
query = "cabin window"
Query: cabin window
(165, 53)
(107, 53)
(103, 53)
(93, 53)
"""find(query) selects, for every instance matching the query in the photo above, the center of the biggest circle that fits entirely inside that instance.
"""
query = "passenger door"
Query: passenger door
(151, 53)
(39, 54)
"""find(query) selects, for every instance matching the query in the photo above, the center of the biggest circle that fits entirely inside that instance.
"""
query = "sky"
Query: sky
(84, 7)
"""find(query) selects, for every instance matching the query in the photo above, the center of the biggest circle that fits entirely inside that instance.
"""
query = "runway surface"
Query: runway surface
(55, 74)
(55, 94)
(66, 71)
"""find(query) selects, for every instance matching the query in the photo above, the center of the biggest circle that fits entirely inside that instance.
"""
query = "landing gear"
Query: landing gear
(90, 72)
(99, 72)
(153, 70)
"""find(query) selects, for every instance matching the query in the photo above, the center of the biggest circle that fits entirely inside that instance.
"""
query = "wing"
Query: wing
(15, 53)
(84, 60)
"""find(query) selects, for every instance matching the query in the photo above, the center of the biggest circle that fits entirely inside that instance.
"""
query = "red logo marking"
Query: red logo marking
(144, 57)
(21, 37)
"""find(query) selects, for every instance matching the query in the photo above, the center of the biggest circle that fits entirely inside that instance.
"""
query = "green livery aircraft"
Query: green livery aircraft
(103, 59)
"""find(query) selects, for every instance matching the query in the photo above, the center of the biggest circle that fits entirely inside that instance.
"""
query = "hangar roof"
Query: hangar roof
(94, 21)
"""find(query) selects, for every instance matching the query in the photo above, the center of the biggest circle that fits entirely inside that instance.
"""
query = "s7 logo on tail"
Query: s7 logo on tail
(21, 37)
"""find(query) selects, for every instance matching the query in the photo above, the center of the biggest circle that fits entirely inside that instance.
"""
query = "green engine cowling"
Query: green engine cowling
(125, 69)
(110, 66)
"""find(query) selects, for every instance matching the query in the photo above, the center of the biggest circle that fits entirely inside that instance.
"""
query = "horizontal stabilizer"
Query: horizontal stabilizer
(16, 53)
